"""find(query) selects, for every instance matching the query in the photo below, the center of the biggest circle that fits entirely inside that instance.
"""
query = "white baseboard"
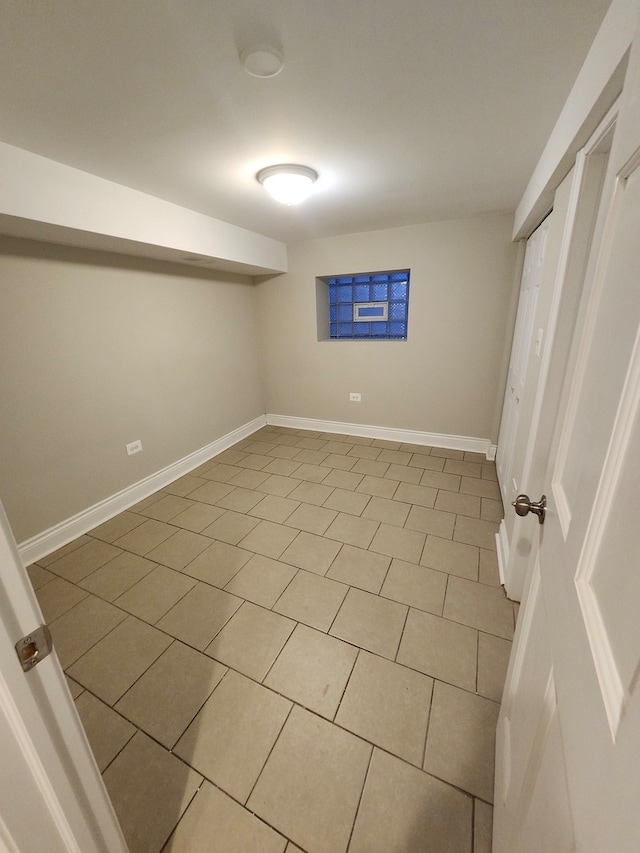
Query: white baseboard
(433, 439)
(502, 548)
(55, 537)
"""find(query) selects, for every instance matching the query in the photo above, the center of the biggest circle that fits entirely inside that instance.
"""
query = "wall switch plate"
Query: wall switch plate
(134, 447)
(355, 397)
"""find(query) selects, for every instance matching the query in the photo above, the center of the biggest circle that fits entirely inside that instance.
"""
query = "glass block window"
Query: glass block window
(372, 306)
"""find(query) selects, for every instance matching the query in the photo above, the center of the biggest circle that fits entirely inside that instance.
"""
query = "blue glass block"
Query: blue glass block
(397, 311)
(382, 278)
(361, 279)
(345, 279)
(345, 313)
(361, 293)
(333, 313)
(379, 329)
(399, 276)
(333, 295)
(345, 330)
(399, 290)
(362, 330)
(379, 292)
(333, 330)
(398, 330)
(345, 293)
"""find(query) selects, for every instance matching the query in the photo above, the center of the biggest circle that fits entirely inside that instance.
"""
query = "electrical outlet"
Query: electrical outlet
(134, 447)
(355, 397)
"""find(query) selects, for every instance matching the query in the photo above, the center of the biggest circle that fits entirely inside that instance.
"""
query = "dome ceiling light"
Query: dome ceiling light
(262, 60)
(288, 183)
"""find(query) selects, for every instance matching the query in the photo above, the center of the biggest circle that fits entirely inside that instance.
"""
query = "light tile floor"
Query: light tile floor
(299, 646)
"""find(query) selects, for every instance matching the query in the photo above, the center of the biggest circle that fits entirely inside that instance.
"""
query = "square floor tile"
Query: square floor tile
(155, 594)
(80, 562)
(216, 823)
(149, 789)
(310, 552)
(482, 488)
(339, 479)
(414, 494)
(39, 576)
(248, 479)
(493, 660)
(352, 530)
(274, 508)
(428, 463)
(488, 572)
(280, 485)
(475, 531)
(184, 485)
(164, 701)
(310, 518)
(445, 650)
(179, 549)
(269, 539)
(365, 451)
(370, 622)
(383, 509)
(314, 473)
(387, 704)
(340, 461)
(57, 597)
(77, 630)
(415, 585)
(280, 468)
(370, 467)
(63, 551)
(404, 809)
(455, 558)
(440, 480)
(313, 670)
(377, 486)
(211, 492)
(314, 809)
(360, 568)
(480, 606)
(261, 580)
(198, 617)
(231, 527)
(311, 457)
(166, 507)
(232, 736)
(461, 740)
(483, 827)
(312, 599)
(197, 517)
(115, 662)
(146, 537)
(219, 472)
(251, 640)
(344, 500)
(433, 521)
(311, 493)
(491, 510)
(118, 575)
(397, 542)
(465, 469)
(240, 500)
(117, 526)
(403, 474)
(107, 732)
(458, 503)
(218, 564)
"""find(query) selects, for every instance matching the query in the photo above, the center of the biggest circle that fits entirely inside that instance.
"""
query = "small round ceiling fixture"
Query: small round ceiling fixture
(261, 60)
(288, 183)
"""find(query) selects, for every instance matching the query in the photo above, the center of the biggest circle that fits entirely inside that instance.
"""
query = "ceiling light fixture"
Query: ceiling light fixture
(262, 61)
(287, 183)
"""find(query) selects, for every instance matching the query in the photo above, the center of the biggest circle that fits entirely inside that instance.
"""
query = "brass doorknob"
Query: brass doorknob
(524, 506)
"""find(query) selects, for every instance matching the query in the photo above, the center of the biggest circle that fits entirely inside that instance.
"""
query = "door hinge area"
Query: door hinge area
(35, 646)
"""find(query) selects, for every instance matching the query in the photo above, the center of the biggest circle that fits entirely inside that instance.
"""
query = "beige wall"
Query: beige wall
(446, 378)
(99, 350)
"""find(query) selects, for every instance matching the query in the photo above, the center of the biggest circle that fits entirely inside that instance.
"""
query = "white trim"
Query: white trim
(431, 439)
(55, 537)
(502, 548)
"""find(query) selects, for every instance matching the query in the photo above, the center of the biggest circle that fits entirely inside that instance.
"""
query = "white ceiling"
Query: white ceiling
(410, 110)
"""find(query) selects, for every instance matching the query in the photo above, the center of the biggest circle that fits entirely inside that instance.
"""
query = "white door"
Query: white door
(51, 794)
(522, 342)
(568, 771)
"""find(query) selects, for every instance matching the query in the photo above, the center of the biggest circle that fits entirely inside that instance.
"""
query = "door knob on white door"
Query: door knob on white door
(524, 505)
